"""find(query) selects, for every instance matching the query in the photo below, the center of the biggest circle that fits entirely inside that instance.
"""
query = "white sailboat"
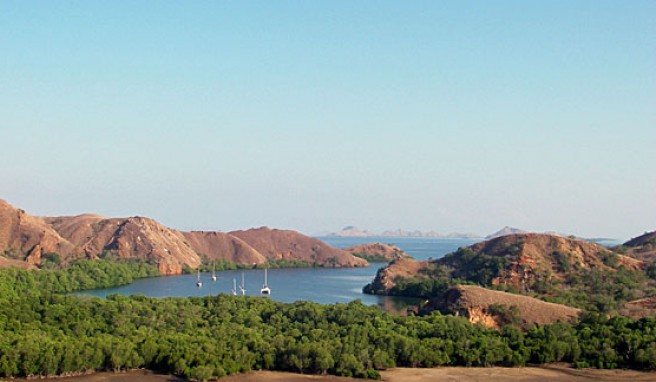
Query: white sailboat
(242, 287)
(198, 282)
(234, 287)
(265, 288)
(213, 272)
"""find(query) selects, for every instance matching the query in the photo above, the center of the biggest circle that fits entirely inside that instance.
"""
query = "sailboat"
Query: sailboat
(198, 282)
(213, 272)
(242, 287)
(234, 287)
(265, 288)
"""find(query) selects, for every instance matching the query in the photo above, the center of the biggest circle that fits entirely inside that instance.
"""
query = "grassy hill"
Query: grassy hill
(568, 271)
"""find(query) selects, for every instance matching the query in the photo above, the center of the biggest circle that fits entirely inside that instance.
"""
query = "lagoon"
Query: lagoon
(321, 285)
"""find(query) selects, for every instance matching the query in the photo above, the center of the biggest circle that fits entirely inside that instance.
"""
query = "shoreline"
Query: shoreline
(554, 372)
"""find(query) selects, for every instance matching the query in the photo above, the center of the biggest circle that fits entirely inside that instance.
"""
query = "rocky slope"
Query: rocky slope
(514, 260)
(642, 247)
(399, 269)
(275, 244)
(530, 257)
(128, 238)
(24, 238)
(219, 245)
(577, 272)
(478, 305)
(382, 252)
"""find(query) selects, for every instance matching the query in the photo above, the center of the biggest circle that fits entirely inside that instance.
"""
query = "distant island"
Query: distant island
(352, 231)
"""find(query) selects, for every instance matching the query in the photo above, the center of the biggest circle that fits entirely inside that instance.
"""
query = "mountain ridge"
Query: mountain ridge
(25, 239)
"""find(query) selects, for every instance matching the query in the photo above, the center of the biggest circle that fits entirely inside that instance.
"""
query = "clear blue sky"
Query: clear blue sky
(308, 115)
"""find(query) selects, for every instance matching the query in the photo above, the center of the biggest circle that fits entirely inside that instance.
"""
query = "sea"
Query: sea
(321, 285)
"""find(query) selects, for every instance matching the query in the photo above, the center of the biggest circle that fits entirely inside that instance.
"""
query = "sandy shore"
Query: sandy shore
(449, 374)
(525, 374)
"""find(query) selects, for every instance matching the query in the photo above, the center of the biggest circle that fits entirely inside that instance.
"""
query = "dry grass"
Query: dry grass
(493, 374)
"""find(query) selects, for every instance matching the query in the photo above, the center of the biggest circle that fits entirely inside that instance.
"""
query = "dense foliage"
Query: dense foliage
(80, 275)
(43, 333)
(594, 289)
(371, 257)
(207, 265)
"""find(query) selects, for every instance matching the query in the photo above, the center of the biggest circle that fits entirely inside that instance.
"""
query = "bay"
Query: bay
(321, 285)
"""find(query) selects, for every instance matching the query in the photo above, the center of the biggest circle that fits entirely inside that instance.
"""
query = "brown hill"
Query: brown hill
(219, 245)
(6, 263)
(399, 269)
(134, 237)
(277, 244)
(532, 256)
(578, 273)
(642, 247)
(377, 251)
(24, 237)
(644, 239)
(494, 309)
(513, 260)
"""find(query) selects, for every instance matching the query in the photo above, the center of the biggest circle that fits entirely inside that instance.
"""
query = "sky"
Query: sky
(313, 115)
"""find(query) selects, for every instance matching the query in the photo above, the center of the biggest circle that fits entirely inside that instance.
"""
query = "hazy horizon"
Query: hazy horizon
(457, 116)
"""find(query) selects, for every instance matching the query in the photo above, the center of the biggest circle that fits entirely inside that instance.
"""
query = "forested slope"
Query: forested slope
(46, 333)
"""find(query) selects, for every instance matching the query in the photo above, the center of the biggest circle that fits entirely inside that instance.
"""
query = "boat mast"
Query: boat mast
(265, 288)
(242, 287)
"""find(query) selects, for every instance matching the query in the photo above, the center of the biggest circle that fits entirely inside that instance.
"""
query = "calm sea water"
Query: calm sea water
(322, 285)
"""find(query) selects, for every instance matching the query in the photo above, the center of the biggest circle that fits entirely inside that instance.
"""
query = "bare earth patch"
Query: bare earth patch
(525, 374)
(450, 374)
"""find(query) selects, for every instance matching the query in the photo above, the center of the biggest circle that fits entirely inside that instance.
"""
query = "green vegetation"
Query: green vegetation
(44, 333)
(371, 257)
(651, 271)
(505, 315)
(425, 288)
(80, 275)
(592, 289)
(274, 264)
(596, 290)
(225, 265)
(477, 268)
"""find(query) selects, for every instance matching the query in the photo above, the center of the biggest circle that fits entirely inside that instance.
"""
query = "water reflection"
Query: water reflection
(322, 285)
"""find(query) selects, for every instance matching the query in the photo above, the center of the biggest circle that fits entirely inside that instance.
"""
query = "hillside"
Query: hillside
(642, 247)
(219, 245)
(644, 307)
(377, 252)
(483, 306)
(275, 244)
(128, 238)
(570, 271)
(645, 239)
(524, 259)
(25, 238)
